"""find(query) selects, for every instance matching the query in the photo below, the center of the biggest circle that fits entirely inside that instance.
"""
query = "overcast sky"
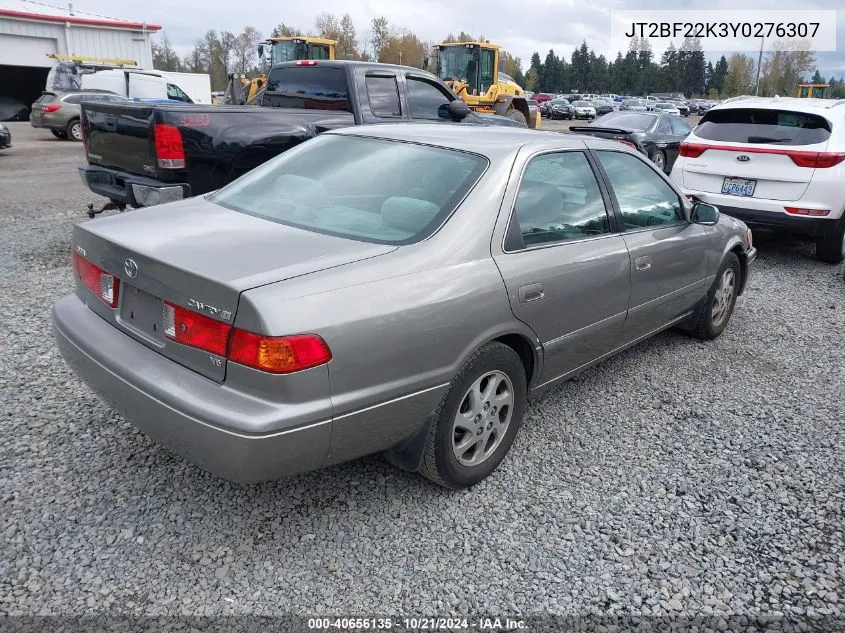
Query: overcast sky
(521, 27)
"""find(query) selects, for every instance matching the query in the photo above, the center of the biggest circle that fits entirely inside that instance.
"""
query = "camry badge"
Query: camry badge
(131, 268)
(743, 158)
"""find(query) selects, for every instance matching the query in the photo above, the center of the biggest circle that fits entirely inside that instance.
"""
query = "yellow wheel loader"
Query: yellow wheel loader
(471, 70)
(243, 90)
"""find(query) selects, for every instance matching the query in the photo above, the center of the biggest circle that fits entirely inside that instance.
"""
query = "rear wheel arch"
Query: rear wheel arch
(526, 351)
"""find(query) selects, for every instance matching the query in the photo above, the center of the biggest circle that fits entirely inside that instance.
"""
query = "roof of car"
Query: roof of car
(489, 141)
(818, 105)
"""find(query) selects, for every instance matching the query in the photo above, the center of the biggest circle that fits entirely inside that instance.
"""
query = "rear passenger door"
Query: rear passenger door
(563, 259)
(668, 252)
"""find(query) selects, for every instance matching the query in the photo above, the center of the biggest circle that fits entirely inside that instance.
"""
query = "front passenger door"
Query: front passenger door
(668, 252)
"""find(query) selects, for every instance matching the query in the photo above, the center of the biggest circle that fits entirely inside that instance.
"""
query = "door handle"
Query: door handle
(642, 263)
(531, 292)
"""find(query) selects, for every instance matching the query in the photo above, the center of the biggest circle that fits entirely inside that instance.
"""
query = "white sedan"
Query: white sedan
(583, 110)
(667, 108)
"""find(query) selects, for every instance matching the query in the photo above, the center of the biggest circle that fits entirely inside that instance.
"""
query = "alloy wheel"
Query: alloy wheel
(483, 418)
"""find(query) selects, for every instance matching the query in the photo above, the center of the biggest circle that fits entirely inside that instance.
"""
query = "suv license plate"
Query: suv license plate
(738, 187)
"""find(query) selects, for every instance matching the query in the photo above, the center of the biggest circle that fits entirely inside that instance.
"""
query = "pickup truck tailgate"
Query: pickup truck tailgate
(119, 135)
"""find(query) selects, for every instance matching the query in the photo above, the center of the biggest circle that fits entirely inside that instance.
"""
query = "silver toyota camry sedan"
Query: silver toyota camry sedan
(398, 288)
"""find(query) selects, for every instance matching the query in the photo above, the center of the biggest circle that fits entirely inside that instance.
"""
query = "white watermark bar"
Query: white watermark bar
(722, 30)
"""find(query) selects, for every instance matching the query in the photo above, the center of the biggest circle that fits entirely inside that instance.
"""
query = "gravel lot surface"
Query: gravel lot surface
(678, 478)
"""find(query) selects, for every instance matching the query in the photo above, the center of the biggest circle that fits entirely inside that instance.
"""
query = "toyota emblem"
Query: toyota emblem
(743, 158)
(131, 268)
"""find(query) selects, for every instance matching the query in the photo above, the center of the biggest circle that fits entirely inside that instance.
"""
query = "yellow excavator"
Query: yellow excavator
(243, 90)
(471, 70)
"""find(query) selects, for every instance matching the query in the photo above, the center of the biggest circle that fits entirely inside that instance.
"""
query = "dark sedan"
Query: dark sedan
(604, 107)
(656, 135)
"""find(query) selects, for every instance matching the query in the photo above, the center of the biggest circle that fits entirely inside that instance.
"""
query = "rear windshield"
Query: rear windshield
(750, 125)
(373, 190)
(308, 87)
(46, 98)
(630, 120)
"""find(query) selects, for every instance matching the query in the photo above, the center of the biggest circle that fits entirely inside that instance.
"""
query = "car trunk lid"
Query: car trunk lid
(199, 256)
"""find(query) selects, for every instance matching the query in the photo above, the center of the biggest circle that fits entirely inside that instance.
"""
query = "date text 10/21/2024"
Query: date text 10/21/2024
(416, 624)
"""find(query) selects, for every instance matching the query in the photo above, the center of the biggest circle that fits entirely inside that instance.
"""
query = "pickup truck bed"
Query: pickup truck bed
(219, 143)
(141, 153)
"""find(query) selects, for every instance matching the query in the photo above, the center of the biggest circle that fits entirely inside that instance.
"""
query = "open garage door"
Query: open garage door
(23, 72)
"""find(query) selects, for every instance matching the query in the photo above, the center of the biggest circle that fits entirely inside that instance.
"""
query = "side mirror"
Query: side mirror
(705, 214)
(458, 110)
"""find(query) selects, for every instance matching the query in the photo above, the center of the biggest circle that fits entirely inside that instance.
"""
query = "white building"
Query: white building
(30, 30)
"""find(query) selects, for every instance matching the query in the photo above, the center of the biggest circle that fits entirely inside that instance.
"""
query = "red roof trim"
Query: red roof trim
(135, 26)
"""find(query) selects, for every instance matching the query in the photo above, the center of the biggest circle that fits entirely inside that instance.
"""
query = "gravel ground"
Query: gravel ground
(680, 477)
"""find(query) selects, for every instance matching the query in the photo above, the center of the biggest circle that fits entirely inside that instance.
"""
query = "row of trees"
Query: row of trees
(684, 69)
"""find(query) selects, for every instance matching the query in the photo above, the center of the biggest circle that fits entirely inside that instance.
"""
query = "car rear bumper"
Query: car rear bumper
(116, 185)
(191, 415)
(768, 214)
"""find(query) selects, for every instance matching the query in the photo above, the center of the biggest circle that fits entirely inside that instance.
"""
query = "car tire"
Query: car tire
(59, 133)
(716, 308)
(659, 159)
(74, 130)
(451, 446)
(516, 115)
(831, 249)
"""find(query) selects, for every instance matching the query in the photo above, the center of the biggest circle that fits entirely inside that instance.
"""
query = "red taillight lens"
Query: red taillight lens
(170, 153)
(816, 159)
(273, 354)
(195, 330)
(50, 108)
(812, 212)
(98, 281)
(690, 150)
(278, 355)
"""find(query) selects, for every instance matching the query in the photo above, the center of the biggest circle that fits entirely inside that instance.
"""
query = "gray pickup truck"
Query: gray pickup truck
(145, 153)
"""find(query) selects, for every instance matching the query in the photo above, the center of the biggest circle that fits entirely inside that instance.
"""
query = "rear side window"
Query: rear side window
(308, 87)
(752, 125)
(383, 94)
(73, 99)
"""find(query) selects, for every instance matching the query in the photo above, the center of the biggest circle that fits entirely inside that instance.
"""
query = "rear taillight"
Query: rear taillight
(817, 160)
(273, 354)
(195, 330)
(811, 212)
(170, 153)
(98, 281)
(50, 108)
(278, 355)
(690, 150)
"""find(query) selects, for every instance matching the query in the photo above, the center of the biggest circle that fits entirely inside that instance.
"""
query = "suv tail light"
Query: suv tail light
(170, 153)
(273, 354)
(98, 281)
(50, 108)
(815, 160)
